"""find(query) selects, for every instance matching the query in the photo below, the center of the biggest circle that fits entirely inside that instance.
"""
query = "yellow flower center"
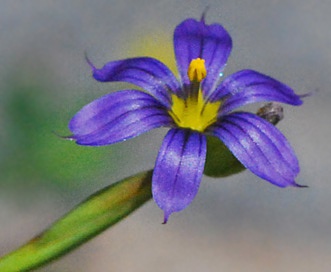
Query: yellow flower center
(194, 111)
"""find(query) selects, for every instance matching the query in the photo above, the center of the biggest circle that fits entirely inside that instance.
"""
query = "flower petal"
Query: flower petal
(116, 117)
(194, 39)
(147, 73)
(248, 86)
(178, 170)
(259, 146)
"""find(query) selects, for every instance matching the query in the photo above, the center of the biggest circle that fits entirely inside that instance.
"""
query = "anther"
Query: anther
(197, 70)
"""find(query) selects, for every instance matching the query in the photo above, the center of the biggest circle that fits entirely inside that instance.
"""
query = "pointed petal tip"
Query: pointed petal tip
(203, 16)
(293, 184)
(89, 62)
(301, 97)
(166, 217)
(311, 93)
(300, 186)
(68, 137)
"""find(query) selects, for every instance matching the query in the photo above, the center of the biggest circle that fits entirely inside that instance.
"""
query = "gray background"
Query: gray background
(240, 223)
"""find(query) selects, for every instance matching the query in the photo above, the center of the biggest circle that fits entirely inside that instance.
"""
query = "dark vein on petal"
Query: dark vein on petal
(105, 135)
(235, 101)
(182, 152)
(121, 119)
(234, 123)
(252, 158)
(109, 112)
(272, 140)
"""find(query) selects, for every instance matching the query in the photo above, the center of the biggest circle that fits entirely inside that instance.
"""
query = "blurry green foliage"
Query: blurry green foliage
(32, 151)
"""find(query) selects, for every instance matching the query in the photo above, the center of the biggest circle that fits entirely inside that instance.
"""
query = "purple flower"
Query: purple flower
(193, 107)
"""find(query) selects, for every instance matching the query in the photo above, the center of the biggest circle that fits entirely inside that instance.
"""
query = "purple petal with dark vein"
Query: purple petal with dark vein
(178, 170)
(194, 39)
(259, 146)
(147, 73)
(116, 117)
(248, 86)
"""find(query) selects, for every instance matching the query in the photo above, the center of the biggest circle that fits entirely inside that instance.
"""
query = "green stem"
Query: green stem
(97, 213)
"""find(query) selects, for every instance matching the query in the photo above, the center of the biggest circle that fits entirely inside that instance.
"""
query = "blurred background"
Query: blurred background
(240, 223)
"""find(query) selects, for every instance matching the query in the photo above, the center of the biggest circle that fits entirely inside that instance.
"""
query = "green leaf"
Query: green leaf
(220, 162)
(97, 213)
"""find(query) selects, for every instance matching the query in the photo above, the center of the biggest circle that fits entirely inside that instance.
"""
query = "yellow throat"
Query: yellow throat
(194, 112)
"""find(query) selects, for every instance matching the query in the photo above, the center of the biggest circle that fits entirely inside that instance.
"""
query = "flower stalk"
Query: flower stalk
(97, 213)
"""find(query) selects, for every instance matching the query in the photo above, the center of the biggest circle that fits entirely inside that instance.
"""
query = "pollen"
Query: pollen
(197, 70)
(194, 112)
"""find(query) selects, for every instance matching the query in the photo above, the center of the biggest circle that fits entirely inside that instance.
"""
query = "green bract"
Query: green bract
(220, 162)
